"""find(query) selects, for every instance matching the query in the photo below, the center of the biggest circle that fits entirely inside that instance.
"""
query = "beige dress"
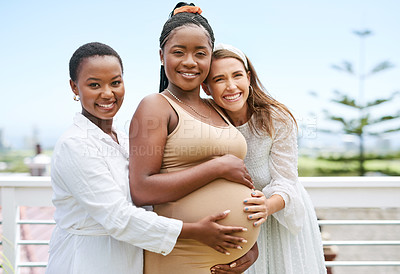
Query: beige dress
(193, 142)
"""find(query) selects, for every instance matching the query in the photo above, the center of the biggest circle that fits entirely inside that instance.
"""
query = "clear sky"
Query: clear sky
(291, 43)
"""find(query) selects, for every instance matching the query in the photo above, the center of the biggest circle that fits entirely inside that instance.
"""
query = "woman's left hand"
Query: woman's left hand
(238, 266)
(258, 207)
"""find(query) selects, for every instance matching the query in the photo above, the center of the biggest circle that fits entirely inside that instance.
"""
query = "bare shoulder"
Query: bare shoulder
(153, 103)
(155, 98)
(153, 112)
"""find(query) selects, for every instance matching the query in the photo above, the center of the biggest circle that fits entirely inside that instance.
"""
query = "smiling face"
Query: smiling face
(228, 83)
(100, 86)
(187, 57)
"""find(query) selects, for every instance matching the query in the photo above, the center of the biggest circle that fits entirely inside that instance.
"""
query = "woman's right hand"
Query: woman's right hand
(238, 266)
(209, 232)
(233, 169)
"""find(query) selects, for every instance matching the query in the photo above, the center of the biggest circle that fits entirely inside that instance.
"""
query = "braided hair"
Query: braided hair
(90, 50)
(176, 21)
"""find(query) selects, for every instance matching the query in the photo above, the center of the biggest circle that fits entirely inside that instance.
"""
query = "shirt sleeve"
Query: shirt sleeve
(284, 177)
(91, 183)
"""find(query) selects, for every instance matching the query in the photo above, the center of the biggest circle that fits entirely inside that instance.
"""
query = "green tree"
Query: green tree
(363, 123)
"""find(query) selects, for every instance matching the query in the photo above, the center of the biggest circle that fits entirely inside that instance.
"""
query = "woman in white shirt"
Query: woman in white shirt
(98, 229)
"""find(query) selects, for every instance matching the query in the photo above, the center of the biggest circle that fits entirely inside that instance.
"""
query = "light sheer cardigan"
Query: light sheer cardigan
(281, 178)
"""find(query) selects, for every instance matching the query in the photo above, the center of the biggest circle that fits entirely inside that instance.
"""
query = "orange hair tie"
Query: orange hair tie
(191, 9)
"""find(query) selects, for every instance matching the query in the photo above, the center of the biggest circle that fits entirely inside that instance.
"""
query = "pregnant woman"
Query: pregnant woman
(186, 159)
(99, 230)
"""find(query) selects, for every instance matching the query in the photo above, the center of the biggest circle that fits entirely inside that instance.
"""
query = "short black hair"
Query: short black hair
(179, 20)
(89, 50)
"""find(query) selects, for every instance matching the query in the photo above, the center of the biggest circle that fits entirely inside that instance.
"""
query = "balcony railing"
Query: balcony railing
(327, 193)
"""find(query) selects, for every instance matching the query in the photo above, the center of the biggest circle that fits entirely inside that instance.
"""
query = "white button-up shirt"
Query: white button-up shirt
(98, 229)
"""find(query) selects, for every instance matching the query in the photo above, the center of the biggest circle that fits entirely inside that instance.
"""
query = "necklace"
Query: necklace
(180, 101)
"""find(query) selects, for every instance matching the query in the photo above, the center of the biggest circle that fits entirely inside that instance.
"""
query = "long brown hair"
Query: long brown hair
(260, 103)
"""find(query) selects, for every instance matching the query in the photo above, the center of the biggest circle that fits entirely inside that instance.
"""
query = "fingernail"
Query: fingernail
(244, 241)
(246, 208)
(245, 201)
(255, 224)
(253, 193)
(250, 217)
(244, 229)
(239, 247)
(232, 265)
(227, 253)
(227, 211)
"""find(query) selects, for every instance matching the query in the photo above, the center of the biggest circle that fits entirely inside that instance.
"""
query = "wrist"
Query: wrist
(189, 231)
(275, 203)
(218, 167)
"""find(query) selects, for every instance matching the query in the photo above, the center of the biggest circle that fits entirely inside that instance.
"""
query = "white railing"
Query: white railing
(353, 193)
(16, 192)
(325, 192)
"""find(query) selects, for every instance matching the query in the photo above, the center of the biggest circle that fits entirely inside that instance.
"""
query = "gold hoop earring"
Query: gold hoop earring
(76, 97)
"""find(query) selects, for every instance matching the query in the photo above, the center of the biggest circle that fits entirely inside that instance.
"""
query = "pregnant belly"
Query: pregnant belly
(213, 198)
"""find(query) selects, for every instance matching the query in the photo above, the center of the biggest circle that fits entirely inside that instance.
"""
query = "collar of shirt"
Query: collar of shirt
(86, 125)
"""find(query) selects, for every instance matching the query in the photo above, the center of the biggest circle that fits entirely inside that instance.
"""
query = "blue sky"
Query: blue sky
(291, 43)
